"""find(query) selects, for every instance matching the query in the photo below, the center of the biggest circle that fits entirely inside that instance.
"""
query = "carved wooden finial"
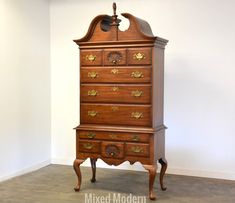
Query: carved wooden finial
(114, 8)
(114, 16)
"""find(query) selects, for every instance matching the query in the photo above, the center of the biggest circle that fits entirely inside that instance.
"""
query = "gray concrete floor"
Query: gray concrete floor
(54, 184)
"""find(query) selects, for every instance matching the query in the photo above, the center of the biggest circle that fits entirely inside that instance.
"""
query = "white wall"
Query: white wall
(24, 86)
(199, 78)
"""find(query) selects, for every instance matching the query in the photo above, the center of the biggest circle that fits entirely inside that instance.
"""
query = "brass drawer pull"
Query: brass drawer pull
(90, 135)
(114, 71)
(112, 136)
(90, 57)
(92, 113)
(88, 145)
(136, 93)
(92, 93)
(137, 149)
(139, 56)
(112, 154)
(137, 74)
(92, 74)
(136, 115)
(135, 138)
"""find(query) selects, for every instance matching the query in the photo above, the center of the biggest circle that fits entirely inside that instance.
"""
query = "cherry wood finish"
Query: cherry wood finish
(117, 74)
(116, 93)
(117, 114)
(121, 94)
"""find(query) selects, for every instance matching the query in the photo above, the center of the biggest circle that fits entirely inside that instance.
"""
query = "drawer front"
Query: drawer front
(114, 136)
(138, 74)
(89, 146)
(112, 149)
(114, 57)
(139, 56)
(133, 149)
(116, 114)
(91, 57)
(116, 93)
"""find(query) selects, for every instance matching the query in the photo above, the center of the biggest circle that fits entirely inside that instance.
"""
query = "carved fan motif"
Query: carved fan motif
(112, 150)
(114, 57)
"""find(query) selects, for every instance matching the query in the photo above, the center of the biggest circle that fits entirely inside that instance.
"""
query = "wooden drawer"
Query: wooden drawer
(112, 149)
(133, 149)
(91, 57)
(116, 93)
(115, 136)
(139, 56)
(117, 114)
(138, 74)
(89, 146)
(114, 57)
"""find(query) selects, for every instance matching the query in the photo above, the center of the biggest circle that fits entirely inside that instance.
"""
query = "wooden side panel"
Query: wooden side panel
(158, 86)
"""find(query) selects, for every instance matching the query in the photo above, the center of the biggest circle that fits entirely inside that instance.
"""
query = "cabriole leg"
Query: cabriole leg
(152, 173)
(93, 166)
(76, 166)
(163, 162)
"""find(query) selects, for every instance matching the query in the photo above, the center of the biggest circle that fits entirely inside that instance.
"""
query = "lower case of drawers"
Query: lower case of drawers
(113, 152)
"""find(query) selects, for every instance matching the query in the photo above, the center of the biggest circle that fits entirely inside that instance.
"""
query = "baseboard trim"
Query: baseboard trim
(226, 175)
(25, 170)
(137, 167)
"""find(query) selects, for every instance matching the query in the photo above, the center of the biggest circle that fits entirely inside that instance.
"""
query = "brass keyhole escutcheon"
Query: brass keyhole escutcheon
(114, 108)
(115, 89)
(114, 71)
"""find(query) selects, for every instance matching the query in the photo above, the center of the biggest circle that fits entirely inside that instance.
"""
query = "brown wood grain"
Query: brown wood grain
(123, 74)
(113, 93)
(114, 136)
(106, 113)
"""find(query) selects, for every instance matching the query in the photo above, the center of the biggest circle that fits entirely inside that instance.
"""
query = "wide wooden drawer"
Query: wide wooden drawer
(89, 146)
(140, 56)
(116, 93)
(133, 149)
(117, 114)
(91, 57)
(134, 74)
(112, 149)
(114, 57)
(115, 136)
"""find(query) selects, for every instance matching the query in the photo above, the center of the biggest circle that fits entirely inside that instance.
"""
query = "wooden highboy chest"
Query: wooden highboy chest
(121, 95)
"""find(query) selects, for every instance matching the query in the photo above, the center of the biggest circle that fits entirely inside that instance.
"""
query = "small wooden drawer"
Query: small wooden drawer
(114, 136)
(133, 149)
(112, 149)
(137, 74)
(116, 114)
(91, 57)
(89, 146)
(116, 93)
(141, 56)
(114, 57)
